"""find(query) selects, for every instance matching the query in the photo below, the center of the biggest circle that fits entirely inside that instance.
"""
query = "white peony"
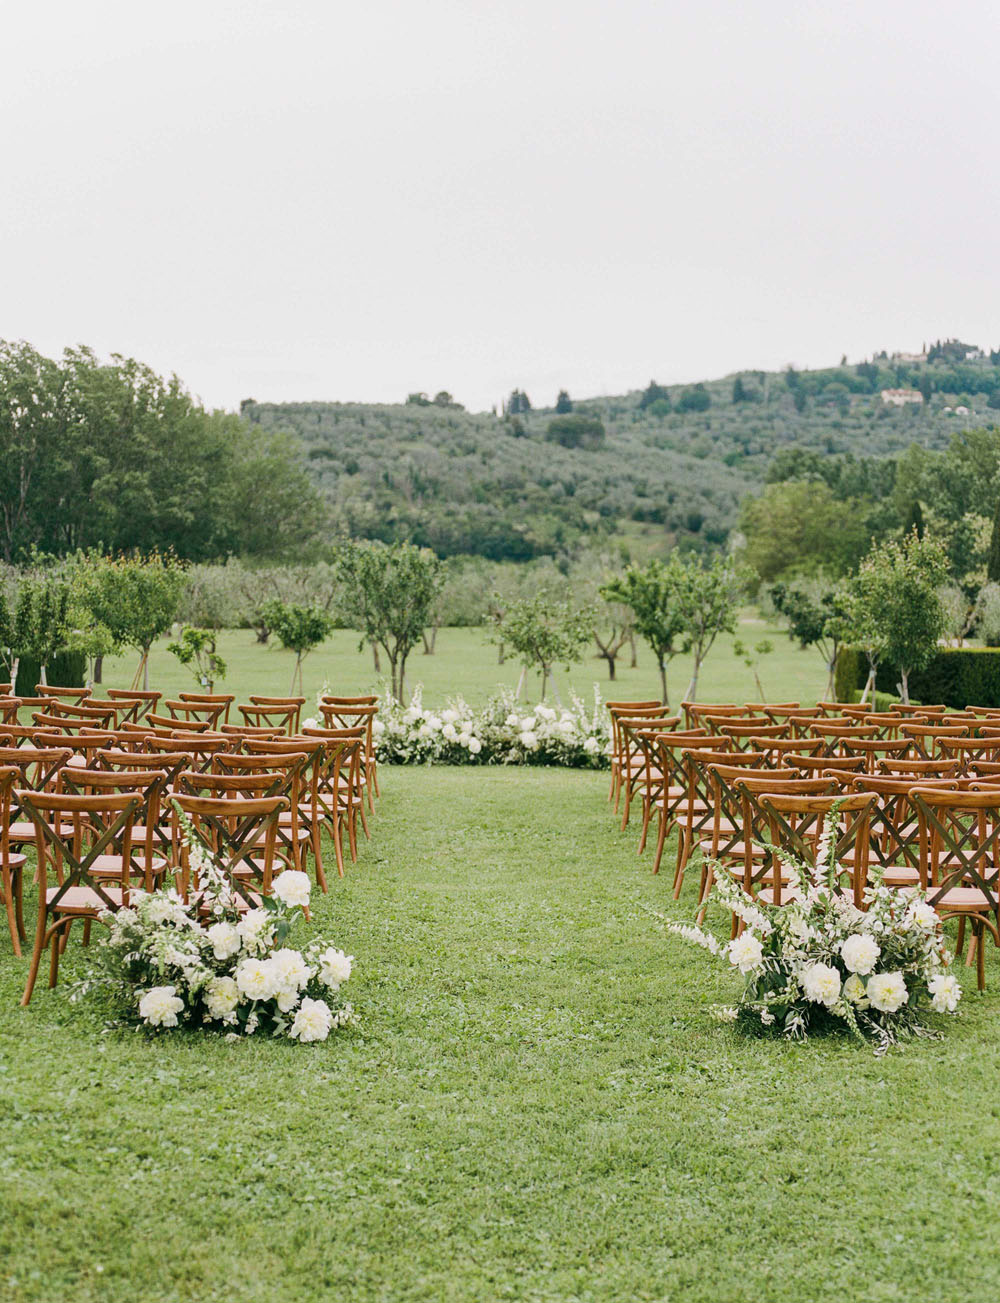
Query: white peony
(860, 953)
(311, 722)
(450, 733)
(312, 1022)
(924, 915)
(411, 716)
(160, 1006)
(255, 928)
(292, 887)
(566, 727)
(289, 970)
(475, 746)
(745, 952)
(433, 722)
(225, 939)
(378, 728)
(546, 713)
(854, 989)
(821, 984)
(513, 721)
(945, 993)
(591, 746)
(887, 991)
(257, 979)
(424, 731)
(334, 967)
(527, 724)
(221, 997)
(287, 1000)
(449, 716)
(157, 909)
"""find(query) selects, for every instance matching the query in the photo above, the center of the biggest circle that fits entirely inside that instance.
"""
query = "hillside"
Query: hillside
(496, 486)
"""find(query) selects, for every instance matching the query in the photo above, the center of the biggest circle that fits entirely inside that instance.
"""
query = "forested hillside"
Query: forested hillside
(670, 464)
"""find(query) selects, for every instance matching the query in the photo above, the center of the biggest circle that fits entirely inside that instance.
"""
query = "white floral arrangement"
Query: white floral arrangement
(816, 962)
(502, 732)
(166, 964)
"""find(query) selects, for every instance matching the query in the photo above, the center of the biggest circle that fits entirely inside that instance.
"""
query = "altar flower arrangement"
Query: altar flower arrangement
(504, 731)
(166, 964)
(817, 962)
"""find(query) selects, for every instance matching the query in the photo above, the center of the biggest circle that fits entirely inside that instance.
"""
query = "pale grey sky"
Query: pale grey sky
(322, 200)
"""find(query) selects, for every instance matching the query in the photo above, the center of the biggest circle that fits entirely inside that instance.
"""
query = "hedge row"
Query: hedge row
(956, 677)
(66, 670)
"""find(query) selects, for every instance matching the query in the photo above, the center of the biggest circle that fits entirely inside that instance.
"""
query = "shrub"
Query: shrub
(955, 677)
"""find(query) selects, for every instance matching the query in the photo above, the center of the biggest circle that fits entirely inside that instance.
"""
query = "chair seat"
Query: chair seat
(110, 866)
(964, 900)
(23, 830)
(733, 851)
(16, 861)
(83, 900)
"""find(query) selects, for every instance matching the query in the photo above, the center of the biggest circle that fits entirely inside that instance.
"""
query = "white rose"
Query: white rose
(449, 732)
(423, 731)
(546, 713)
(860, 953)
(745, 952)
(160, 1006)
(854, 989)
(821, 984)
(311, 722)
(527, 724)
(378, 728)
(254, 926)
(887, 991)
(449, 716)
(312, 1022)
(411, 716)
(292, 887)
(157, 909)
(289, 969)
(221, 997)
(945, 993)
(257, 979)
(591, 746)
(335, 967)
(287, 1000)
(225, 939)
(433, 723)
(528, 740)
(464, 739)
(566, 727)
(475, 746)
(512, 721)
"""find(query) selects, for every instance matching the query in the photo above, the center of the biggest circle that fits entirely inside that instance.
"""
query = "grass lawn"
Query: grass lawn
(464, 662)
(535, 1107)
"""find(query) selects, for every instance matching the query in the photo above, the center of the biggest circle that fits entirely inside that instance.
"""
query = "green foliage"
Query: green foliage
(544, 631)
(196, 650)
(298, 629)
(993, 558)
(387, 595)
(695, 399)
(650, 593)
(953, 676)
(564, 404)
(577, 430)
(112, 455)
(134, 597)
(799, 527)
(897, 592)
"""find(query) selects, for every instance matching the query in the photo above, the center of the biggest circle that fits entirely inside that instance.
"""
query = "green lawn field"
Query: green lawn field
(464, 662)
(536, 1106)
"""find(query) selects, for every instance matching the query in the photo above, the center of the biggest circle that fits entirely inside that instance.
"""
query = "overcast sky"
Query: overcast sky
(309, 199)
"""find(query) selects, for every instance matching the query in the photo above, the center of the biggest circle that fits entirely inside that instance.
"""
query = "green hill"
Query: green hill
(665, 472)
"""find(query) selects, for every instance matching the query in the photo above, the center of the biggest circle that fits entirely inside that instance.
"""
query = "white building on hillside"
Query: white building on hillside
(900, 397)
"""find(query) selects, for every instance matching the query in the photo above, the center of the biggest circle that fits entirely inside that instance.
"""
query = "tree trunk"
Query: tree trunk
(692, 692)
(545, 679)
(520, 683)
(869, 684)
(611, 664)
(635, 651)
(904, 687)
(760, 686)
(98, 669)
(501, 653)
(43, 678)
(431, 642)
(15, 665)
(378, 663)
(831, 682)
(663, 685)
(262, 634)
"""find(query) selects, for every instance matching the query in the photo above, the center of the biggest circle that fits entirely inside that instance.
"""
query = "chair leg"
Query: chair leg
(981, 959)
(315, 834)
(338, 845)
(661, 837)
(960, 942)
(12, 919)
(364, 817)
(680, 864)
(352, 834)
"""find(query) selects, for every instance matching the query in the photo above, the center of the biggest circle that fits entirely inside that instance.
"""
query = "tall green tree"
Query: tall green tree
(650, 592)
(388, 593)
(135, 598)
(299, 629)
(993, 557)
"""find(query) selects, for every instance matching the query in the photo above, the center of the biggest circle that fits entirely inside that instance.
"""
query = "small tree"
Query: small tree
(817, 618)
(299, 629)
(650, 592)
(543, 632)
(898, 587)
(993, 560)
(135, 598)
(40, 626)
(387, 595)
(862, 630)
(707, 603)
(196, 650)
(752, 657)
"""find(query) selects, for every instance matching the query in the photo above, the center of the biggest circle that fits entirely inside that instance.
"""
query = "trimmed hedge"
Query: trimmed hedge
(66, 670)
(956, 677)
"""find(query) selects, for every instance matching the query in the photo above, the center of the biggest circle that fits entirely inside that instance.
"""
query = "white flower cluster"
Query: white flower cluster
(501, 733)
(232, 971)
(818, 956)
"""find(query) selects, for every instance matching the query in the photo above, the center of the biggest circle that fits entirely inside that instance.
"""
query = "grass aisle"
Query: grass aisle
(536, 1107)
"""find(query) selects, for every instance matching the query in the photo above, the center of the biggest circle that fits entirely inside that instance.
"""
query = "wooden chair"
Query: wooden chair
(776, 748)
(924, 738)
(137, 702)
(207, 714)
(146, 833)
(307, 813)
(63, 694)
(695, 710)
(675, 798)
(637, 767)
(289, 709)
(177, 723)
(240, 833)
(336, 793)
(741, 732)
(959, 852)
(796, 823)
(71, 833)
(872, 749)
(11, 862)
(616, 711)
(282, 774)
(350, 717)
(208, 700)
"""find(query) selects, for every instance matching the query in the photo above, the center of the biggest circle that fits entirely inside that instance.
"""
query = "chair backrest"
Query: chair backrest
(798, 824)
(925, 737)
(209, 700)
(64, 694)
(185, 714)
(820, 764)
(959, 840)
(968, 751)
(904, 766)
(137, 702)
(250, 730)
(240, 832)
(174, 723)
(72, 831)
(279, 719)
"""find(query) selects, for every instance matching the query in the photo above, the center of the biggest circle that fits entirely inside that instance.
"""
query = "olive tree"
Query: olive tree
(299, 629)
(650, 593)
(196, 649)
(387, 593)
(135, 598)
(543, 632)
(818, 617)
(898, 587)
(707, 598)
